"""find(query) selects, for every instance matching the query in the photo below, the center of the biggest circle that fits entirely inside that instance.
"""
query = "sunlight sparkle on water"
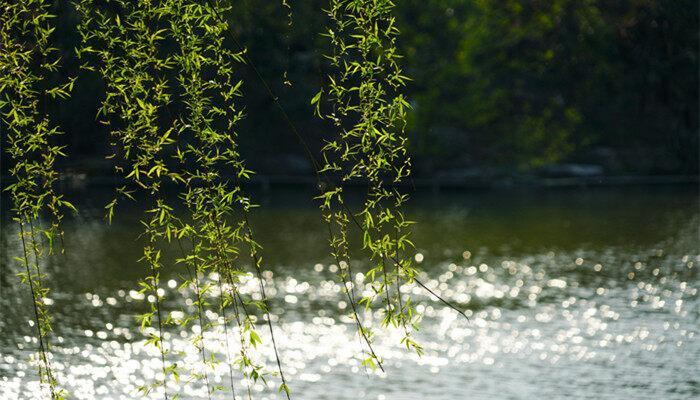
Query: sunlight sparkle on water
(578, 317)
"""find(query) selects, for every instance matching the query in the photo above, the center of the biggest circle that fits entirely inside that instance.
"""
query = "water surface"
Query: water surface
(577, 293)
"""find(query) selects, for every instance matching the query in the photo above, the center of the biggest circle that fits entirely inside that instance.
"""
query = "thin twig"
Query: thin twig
(42, 348)
(256, 261)
(360, 328)
(194, 278)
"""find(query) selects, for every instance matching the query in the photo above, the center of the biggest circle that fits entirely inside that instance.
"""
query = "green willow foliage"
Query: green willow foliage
(26, 58)
(171, 106)
(136, 94)
(368, 113)
(170, 100)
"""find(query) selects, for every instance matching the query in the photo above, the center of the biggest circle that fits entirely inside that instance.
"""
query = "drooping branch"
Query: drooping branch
(171, 102)
(26, 59)
(368, 112)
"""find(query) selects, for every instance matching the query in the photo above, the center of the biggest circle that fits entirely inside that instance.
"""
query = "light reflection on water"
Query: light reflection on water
(595, 299)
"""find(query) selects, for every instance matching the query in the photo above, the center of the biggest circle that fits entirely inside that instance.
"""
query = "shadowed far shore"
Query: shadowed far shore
(78, 180)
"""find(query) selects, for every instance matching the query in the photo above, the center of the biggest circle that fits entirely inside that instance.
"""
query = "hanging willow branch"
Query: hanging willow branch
(26, 58)
(126, 38)
(332, 200)
(206, 75)
(368, 113)
(170, 100)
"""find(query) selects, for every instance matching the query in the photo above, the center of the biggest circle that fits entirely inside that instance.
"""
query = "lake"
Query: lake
(586, 293)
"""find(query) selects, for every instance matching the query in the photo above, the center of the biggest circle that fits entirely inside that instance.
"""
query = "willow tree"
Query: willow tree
(367, 113)
(26, 59)
(171, 104)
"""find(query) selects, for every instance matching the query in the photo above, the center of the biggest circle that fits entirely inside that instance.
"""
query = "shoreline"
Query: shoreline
(268, 182)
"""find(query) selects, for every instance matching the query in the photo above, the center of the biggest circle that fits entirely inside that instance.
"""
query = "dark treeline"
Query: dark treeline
(499, 86)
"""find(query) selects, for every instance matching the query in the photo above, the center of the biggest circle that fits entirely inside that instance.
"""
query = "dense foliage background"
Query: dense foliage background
(499, 86)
